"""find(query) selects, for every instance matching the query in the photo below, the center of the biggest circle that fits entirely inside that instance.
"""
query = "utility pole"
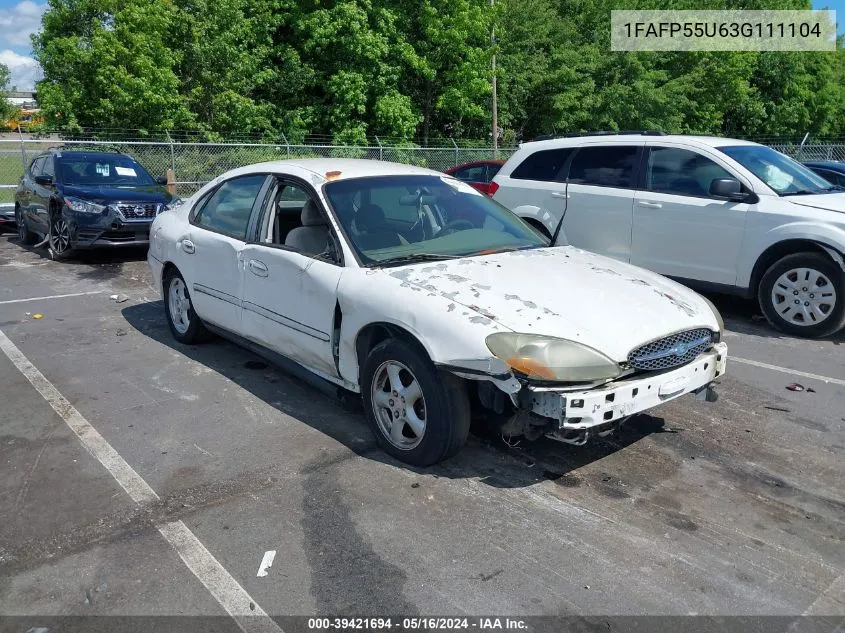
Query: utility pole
(495, 97)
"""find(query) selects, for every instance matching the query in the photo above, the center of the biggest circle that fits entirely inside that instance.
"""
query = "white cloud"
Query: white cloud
(25, 71)
(17, 23)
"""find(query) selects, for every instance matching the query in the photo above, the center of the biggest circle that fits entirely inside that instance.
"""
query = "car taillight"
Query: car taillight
(492, 188)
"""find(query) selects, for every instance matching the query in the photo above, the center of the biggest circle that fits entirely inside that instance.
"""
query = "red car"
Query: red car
(478, 174)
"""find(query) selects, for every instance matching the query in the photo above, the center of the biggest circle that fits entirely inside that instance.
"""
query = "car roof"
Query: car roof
(348, 168)
(709, 141)
(833, 165)
(473, 163)
(60, 153)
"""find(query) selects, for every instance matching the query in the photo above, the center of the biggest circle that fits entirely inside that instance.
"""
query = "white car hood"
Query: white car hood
(826, 201)
(565, 292)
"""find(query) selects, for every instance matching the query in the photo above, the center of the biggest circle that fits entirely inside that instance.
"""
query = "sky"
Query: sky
(20, 18)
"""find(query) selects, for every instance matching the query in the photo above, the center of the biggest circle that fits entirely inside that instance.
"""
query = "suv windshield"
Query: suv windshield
(413, 218)
(108, 170)
(784, 175)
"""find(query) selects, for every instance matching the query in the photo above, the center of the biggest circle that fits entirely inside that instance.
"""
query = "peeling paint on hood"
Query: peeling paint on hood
(564, 292)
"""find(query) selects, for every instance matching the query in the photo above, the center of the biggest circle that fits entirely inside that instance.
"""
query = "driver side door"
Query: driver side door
(679, 230)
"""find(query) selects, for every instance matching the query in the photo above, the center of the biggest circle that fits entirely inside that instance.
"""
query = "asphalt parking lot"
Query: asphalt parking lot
(728, 508)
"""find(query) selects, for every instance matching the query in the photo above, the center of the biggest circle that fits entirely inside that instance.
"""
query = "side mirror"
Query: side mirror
(162, 180)
(727, 188)
(44, 179)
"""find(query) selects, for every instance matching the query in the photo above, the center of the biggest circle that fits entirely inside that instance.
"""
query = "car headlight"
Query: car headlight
(83, 206)
(550, 358)
(719, 319)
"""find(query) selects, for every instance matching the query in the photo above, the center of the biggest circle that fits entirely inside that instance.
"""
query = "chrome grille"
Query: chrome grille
(672, 351)
(139, 211)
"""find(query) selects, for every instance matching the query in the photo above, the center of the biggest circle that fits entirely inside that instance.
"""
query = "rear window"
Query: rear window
(544, 165)
(604, 166)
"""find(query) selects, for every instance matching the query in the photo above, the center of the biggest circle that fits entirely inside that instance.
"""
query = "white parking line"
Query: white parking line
(786, 370)
(73, 294)
(219, 582)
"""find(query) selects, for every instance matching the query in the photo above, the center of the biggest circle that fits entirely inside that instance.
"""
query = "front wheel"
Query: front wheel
(804, 294)
(60, 243)
(184, 323)
(418, 415)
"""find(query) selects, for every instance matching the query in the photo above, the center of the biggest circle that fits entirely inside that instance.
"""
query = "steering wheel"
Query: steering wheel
(456, 225)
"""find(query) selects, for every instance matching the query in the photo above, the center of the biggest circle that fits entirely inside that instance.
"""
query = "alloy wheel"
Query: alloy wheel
(179, 304)
(803, 296)
(398, 405)
(60, 236)
(22, 232)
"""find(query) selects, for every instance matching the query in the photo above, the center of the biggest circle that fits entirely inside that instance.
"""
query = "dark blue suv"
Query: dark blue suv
(87, 200)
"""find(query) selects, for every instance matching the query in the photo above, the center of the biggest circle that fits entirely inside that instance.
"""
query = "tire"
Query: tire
(817, 311)
(186, 327)
(61, 246)
(25, 236)
(442, 405)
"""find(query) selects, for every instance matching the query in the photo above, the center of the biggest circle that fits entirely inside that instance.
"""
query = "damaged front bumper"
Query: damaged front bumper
(112, 228)
(578, 414)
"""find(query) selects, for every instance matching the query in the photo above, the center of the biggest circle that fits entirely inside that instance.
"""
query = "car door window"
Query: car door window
(47, 168)
(832, 176)
(604, 166)
(36, 166)
(544, 165)
(228, 209)
(475, 173)
(681, 172)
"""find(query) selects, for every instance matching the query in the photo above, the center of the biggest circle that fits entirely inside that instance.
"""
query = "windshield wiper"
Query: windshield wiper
(416, 257)
(800, 192)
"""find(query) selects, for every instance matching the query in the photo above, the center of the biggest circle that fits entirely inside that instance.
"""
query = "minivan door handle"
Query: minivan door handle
(559, 194)
(650, 205)
(188, 247)
(258, 268)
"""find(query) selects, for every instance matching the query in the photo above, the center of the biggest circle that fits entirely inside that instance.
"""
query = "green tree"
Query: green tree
(6, 108)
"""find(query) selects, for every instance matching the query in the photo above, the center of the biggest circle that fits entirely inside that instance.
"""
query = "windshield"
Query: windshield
(405, 218)
(110, 171)
(781, 173)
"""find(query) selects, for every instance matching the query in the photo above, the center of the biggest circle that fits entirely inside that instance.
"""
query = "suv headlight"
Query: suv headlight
(719, 319)
(83, 206)
(550, 358)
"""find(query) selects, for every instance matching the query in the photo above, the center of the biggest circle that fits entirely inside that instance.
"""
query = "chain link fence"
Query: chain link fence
(194, 164)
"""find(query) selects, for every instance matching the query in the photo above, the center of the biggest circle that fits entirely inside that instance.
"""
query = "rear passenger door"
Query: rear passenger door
(211, 251)
(679, 230)
(600, 198)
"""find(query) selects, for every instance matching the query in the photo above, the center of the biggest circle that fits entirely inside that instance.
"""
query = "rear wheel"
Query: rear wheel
(24, 234)
(804, 294)
(418, 415)
(184, 323)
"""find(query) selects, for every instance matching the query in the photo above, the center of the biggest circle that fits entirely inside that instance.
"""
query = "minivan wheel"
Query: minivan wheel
(419, 415)
(60, 245)
(804, 294)
(24, 234)
(184, 323)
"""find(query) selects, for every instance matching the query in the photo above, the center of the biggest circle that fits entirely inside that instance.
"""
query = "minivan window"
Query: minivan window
(782, 174)
(544, 165)
(681, 172)
(604, 165)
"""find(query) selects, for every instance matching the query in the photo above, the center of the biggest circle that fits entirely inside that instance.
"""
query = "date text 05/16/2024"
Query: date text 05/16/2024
(417, 624)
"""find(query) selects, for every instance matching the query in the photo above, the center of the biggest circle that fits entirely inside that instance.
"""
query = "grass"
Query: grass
(11, 169)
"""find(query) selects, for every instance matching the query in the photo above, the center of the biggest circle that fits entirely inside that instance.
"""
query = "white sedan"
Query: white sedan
(429, 300)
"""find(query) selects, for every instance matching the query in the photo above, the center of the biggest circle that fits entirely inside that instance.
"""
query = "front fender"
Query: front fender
(826, 235)
(450, 333)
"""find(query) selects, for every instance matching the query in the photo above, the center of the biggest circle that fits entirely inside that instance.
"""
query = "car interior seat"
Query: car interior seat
(312, 237)
(374, 231)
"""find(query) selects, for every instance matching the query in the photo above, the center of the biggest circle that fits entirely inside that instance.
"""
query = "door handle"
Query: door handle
(650, 205)
(258, 268)
(559, 194)
(188, 247)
